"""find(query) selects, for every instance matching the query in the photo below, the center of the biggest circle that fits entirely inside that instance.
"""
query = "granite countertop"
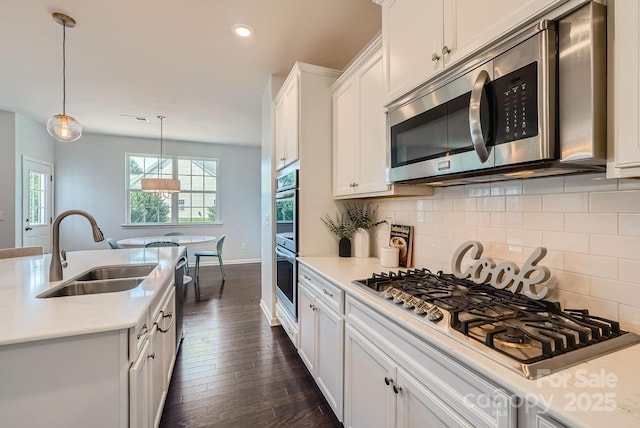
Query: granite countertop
(603, 391)
(25, 317)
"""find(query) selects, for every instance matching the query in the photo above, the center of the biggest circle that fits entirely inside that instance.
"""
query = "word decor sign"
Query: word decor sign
(506, 274)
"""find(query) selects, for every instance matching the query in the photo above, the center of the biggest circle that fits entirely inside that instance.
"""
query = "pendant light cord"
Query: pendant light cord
(64, 69)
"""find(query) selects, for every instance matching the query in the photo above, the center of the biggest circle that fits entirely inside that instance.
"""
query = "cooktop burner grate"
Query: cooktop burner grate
(525, 330)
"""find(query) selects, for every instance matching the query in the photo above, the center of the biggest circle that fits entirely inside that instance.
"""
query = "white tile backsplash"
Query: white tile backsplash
(590, 226)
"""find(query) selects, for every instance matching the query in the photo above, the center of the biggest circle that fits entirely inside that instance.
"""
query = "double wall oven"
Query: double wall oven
(286, 207)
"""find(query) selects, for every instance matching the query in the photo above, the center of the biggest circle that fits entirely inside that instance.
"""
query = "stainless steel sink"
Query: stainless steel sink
(81, 288)
(113, 272)
(103, 279)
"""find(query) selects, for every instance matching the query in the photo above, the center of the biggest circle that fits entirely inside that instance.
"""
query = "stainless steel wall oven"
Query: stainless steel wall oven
(286, 250)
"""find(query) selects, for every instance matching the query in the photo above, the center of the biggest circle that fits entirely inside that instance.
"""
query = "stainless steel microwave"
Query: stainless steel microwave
(532, 106)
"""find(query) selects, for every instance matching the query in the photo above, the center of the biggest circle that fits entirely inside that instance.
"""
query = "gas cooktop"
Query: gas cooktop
(532, 337)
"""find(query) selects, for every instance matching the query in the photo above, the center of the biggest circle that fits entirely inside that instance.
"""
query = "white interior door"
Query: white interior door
(37, 197)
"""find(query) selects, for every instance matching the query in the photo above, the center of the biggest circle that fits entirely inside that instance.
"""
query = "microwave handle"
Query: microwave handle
(475, 126)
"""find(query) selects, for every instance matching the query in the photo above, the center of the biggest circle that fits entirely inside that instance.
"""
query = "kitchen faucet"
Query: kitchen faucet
(55, 269)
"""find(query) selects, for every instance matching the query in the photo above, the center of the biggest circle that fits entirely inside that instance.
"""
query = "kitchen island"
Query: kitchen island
(87, 360)
(602, 391)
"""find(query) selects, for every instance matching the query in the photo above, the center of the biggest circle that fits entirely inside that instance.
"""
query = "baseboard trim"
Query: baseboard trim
(271, 319)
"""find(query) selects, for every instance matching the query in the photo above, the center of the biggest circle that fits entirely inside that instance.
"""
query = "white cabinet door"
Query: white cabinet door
(307, 327)
(288, 122)
(369, 401)
(139, 400)
(423, 37)
(329, 352)
(291, 121)
(470, 24)
(627, 89)
(411, 33)
(280, 143)
(345, 144)
(372, 148)
(417, 404)
(168, 328)
(157, 377)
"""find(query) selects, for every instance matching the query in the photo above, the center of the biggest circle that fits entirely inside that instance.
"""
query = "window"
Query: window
(196, 202)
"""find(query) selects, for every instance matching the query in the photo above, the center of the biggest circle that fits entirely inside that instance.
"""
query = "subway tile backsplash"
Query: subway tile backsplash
(590, 226)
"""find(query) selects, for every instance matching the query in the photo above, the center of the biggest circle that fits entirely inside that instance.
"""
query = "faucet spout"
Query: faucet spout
(55, 269)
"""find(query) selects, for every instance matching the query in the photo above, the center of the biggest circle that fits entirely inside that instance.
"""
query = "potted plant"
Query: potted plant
(362, 216)
(343, 228)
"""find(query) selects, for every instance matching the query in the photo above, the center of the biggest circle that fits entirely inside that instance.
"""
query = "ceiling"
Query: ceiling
(176, 58)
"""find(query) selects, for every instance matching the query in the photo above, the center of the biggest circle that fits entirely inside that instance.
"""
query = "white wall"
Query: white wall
(7, 178)
(19, 136)
(32, 141)
(90, 175)
(589, 225)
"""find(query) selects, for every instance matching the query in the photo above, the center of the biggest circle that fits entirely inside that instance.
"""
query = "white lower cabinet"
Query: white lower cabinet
(321, 330)
(395, 379)
(150, 373)
(379, 393)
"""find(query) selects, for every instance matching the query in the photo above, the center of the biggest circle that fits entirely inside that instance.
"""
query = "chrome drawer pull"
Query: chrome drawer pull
(327, 292)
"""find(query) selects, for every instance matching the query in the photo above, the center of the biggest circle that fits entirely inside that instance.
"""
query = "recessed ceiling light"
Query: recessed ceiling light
(242, 30)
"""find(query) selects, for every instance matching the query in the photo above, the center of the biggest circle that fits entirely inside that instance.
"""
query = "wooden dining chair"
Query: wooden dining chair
(217, 253)
(6, 253)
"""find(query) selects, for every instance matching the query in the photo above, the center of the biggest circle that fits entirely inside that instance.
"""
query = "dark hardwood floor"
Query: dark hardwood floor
(233, 369)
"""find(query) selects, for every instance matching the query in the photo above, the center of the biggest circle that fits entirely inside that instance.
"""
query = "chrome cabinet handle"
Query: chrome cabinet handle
(397, 389)
(327, 292)
(306, 277)
(152, 356)
(435, 57)
(475, 126)
(445, 50)
(388, 381)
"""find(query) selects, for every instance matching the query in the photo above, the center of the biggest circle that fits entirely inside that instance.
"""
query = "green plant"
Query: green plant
(362, 215)
(341, 226)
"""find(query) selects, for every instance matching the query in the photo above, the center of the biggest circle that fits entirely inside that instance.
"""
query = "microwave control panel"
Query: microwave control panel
(516, 105)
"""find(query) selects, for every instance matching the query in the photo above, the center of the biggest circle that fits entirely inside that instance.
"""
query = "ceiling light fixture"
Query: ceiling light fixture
(242, 30)
(161, 186)
(62, 127)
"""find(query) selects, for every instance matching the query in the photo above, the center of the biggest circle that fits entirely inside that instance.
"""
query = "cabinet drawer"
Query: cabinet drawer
(329, 293)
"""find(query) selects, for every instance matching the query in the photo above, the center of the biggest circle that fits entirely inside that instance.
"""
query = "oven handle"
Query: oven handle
(475, 126)
(289, 256)
(286, 194)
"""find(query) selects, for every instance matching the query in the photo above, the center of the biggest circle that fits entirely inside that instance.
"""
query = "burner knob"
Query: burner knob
(434, 314)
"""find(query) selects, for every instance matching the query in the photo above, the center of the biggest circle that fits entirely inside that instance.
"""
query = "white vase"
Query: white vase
(361, 243)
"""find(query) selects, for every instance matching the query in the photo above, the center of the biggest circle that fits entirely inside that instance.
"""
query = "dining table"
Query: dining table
(184, 240)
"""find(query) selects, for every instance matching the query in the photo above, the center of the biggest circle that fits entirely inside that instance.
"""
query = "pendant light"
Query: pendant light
(162, 186)
(62, 127)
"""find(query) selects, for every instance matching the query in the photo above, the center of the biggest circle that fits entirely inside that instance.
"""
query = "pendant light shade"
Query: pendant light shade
(163, 186)
(62, 127)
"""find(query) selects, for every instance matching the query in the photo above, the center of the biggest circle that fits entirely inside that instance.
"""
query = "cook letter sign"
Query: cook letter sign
(504, 275)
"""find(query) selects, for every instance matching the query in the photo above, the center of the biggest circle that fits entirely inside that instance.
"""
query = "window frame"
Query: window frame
(174, 200)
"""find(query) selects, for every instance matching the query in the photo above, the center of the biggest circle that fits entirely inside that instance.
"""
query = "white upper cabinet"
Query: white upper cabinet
(624, 54)
(423, 37)
(359, 131)
(287, 122)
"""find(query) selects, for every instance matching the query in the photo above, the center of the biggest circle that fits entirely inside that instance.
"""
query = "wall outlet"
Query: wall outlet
(243, 246)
